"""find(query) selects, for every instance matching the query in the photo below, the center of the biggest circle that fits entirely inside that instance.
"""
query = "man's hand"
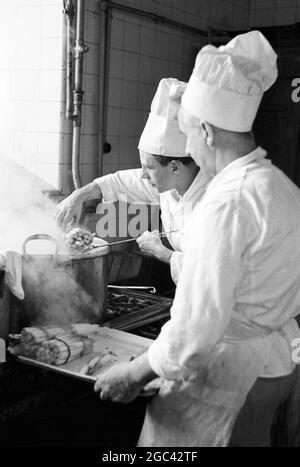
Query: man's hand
(124, 381)
(117, 384)
(70, 209)
(150, 243)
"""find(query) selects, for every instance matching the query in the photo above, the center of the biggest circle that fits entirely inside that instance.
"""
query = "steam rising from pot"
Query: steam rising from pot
(24, 208)
(51, 294)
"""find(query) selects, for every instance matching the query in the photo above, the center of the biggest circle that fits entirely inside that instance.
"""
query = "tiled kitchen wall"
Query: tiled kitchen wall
(274, 12)
(142, 52)
(91, 98)
(33, 129)
(31, 74)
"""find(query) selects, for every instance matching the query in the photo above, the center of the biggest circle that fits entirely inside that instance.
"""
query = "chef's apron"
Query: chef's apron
(202, 411)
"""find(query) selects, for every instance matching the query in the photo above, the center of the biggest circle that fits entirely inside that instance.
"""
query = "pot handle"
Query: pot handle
(40, 237)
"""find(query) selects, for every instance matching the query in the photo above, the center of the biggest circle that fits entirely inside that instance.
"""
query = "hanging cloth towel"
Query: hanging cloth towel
(11, 263)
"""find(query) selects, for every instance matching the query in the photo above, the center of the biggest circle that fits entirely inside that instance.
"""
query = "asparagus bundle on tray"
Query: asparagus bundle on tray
(29, 351)
(54, 345)
(58, 351)
(35, 335)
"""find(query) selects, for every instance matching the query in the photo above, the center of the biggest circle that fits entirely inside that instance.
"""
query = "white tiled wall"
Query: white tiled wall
(91, 99)
(274, 12)
(30, 76)
(33, 129)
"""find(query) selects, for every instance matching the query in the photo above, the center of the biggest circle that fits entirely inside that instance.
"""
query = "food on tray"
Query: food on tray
(96, 364)
(35, 335)
(53, 345)
(69, 348)
(85, 329)
(79, 240)
(58, 351)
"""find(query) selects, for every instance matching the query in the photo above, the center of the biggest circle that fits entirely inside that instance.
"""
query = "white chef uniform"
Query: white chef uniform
(238, 292)
(229, 306)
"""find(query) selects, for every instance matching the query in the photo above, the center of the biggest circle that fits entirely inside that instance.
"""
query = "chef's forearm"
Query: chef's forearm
(89, 191)
(141, 370)
(128, 183)
(164, 255)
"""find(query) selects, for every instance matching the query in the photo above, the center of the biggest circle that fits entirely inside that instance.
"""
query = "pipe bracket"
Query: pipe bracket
(80, 49)
(69, 9)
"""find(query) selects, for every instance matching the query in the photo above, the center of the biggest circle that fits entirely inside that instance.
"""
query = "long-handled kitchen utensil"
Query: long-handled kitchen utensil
(119, 242)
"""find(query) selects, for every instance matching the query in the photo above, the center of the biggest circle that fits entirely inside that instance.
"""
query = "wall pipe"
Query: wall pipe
(105, 62)
(69, 12)
(79, 50)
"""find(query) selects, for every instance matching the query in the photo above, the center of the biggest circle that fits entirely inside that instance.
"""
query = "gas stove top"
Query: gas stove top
(138, 312)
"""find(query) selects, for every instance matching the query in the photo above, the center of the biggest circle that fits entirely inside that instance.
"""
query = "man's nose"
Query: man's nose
(188, 149)
(145, 174)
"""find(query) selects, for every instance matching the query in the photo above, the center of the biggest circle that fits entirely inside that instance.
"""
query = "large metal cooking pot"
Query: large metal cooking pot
(62, 288)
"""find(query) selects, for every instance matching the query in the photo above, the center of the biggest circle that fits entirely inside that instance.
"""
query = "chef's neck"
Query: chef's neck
(231, 147)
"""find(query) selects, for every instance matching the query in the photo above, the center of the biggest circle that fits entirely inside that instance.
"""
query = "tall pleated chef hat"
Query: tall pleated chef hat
(161, 135)
(227, 83)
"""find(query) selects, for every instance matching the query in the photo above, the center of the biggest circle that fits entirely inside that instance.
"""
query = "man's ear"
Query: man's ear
(208, 132)
(175, 166)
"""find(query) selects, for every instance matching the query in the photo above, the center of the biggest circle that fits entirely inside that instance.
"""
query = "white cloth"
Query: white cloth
(227, 83)
(232, 317)
(176, 210)
(161, 135)
(11, 263)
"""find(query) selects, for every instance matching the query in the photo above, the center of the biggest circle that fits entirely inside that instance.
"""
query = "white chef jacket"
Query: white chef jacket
(240, 279)
(176, 210)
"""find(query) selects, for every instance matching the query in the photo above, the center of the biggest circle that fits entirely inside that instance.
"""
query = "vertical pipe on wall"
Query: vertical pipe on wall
(69, 12)
(106, 18)
(65, 183)
(79, 49)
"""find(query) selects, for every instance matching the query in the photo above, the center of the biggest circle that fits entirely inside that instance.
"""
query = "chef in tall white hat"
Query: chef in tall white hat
(225, 356)
(168, 177)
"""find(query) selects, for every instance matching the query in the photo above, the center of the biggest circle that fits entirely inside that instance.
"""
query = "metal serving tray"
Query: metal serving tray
(126, 346)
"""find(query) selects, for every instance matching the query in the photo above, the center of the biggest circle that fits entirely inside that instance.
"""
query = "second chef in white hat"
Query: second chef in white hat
(168, 177)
